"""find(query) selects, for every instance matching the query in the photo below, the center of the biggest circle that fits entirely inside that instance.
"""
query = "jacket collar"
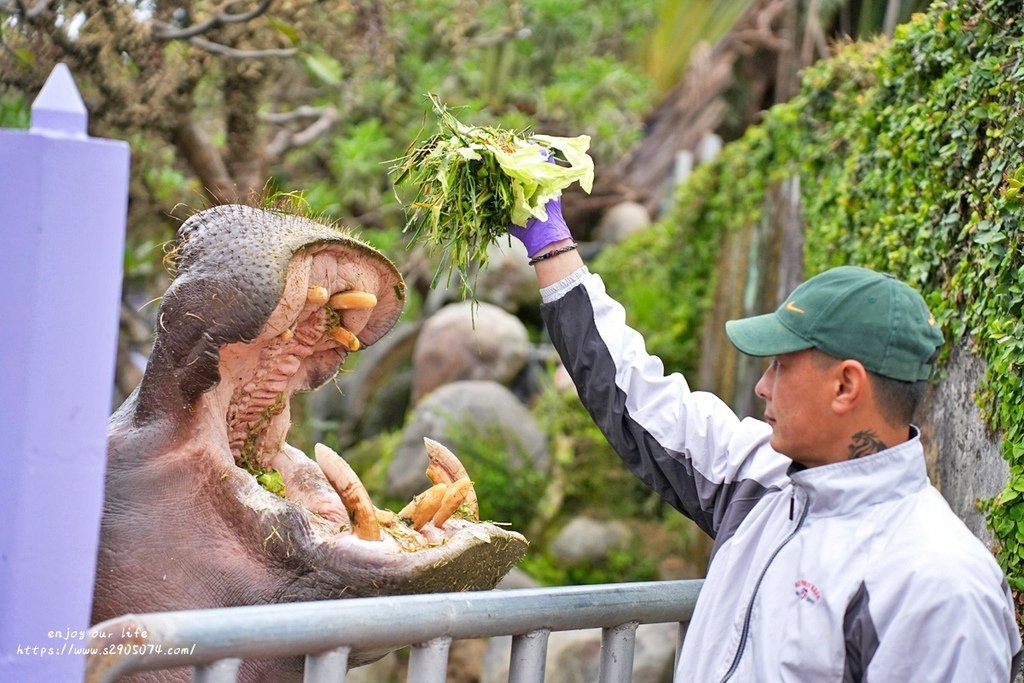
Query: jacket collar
(843, 487)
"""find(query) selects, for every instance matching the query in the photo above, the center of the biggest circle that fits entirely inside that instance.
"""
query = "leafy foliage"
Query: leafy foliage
(910, 159)
(319, 96)
(620, 565)
(14, 112)
(472, 182)
(587, 478)
(590, 464)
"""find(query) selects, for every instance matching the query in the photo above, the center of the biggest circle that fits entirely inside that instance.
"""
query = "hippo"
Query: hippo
(206, 504)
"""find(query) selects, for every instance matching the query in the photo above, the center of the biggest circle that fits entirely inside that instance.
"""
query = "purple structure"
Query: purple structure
(64, 199)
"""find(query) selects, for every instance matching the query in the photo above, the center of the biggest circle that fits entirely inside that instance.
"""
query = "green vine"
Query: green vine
(911, 159)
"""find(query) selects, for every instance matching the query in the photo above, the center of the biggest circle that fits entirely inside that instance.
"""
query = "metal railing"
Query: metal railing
(216, 641)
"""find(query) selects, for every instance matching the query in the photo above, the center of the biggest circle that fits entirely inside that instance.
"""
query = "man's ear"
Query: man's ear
(851, 386)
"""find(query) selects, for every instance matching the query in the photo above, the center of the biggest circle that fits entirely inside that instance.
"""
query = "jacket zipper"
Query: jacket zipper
(757, 586)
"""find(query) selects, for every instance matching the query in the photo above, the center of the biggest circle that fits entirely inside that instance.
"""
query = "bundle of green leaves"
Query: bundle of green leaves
(473, 182)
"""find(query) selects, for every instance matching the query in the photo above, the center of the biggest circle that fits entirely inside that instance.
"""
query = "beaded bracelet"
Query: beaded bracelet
(553, 252)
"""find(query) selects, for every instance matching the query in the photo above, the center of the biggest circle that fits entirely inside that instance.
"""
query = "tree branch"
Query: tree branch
(218, 49)
(165, 31)
(205, 161)
(287, 139)
(303, 112)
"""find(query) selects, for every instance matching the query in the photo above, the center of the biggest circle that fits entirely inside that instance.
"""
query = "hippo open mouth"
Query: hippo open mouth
(207, 504)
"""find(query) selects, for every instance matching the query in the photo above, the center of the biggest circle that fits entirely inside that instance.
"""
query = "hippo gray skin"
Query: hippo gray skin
(265, 304)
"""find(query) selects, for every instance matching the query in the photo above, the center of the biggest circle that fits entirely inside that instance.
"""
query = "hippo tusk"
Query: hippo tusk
(353, 494)
(345, 338)
(317, 295)
(444, 467)
(453, 498)
(352, 299)
(422, 508)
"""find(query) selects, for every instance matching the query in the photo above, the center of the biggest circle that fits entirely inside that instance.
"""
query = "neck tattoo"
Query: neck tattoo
(865, 443)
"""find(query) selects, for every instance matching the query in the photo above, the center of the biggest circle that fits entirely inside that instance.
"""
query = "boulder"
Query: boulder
(621, 221)
(585, 540)
(467, 342)
(370, 395)
(457, 411)
(508, 280)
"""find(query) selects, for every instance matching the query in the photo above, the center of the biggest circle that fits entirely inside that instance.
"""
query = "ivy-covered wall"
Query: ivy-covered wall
(910, 159)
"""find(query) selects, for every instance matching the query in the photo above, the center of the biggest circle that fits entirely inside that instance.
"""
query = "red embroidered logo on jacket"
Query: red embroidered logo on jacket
(805, 590)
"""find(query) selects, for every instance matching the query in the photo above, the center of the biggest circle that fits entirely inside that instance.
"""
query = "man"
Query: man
(834, 559)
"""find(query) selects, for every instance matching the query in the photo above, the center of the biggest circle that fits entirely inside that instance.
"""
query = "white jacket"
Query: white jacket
(855, 571)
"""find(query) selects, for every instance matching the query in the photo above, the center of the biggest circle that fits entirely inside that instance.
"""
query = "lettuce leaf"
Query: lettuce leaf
(473, 182)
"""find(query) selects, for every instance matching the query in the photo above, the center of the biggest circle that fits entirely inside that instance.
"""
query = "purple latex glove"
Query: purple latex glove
(538, 234)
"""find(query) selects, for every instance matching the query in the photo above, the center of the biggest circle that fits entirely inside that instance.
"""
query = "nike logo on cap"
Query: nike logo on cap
(793, 308)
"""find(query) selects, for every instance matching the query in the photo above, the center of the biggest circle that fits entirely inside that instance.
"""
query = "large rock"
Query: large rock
(964, 461)
(508, 279)
(371, 398)
(466, 342)
(463, 408)
(621, 221)
(585, 540)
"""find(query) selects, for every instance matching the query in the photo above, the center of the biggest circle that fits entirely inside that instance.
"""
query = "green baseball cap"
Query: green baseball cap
(850, 313)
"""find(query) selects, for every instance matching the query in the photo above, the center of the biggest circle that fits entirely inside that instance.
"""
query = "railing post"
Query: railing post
(64, 198)
(428, 662)
(528, 660)
(617, 644)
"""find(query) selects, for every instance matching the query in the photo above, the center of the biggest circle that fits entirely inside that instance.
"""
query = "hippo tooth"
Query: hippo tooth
(287, 335)
(352, 299)
(353, 493)
(424, 506)
(445, 467)
(453, 498)
(317, 295)
(345, 338)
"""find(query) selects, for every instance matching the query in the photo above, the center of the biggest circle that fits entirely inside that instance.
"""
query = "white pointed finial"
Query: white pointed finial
(59, 107)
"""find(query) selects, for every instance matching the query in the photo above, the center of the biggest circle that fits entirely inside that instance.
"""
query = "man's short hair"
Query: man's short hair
(896, 399)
